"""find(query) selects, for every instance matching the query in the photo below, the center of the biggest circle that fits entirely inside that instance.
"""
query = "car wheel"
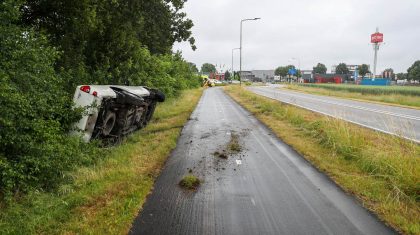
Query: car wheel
(109, 123)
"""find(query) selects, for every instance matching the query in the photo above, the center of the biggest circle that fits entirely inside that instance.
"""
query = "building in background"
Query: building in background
(247, 76)
(388, 74)
(263, 75)
(329, 78)
(307, 76)
(350, 67)
(217, 76)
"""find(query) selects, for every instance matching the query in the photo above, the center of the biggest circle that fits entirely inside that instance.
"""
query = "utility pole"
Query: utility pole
(240, 49)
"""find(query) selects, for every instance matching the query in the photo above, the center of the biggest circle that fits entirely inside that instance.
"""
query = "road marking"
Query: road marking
(342, 118)
(407, 116)
(253, 201)
(310, 97)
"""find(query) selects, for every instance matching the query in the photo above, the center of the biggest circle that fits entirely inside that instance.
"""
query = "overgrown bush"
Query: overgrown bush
(36, 88)
(35, 113)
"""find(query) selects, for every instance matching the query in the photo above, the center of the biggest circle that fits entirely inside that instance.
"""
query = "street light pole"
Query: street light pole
(298, 61)
(232, 61)
(240, 50)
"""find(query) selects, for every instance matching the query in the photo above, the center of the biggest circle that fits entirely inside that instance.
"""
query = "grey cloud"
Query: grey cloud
(314, 31)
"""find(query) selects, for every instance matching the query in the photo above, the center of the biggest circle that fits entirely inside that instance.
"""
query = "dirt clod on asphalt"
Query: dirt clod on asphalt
(190, 182)
(234, 145)
(220, 155)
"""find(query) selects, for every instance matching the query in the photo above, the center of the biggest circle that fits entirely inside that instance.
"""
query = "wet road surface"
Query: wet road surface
(394, 120)
(266, 189)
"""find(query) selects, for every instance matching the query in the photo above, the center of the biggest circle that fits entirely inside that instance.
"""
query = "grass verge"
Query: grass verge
(400, 96)
(106, 197)
(382, 171)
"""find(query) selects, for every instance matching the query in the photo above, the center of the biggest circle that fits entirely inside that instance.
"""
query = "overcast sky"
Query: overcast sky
(311, 31)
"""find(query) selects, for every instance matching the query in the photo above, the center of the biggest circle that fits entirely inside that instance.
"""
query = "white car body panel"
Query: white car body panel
(86, 125)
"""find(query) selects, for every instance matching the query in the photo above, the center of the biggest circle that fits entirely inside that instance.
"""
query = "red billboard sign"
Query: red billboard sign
(377, 38)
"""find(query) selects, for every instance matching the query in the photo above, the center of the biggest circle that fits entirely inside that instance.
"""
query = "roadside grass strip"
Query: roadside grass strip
(105, 198)
(393, 95)
(382, 171)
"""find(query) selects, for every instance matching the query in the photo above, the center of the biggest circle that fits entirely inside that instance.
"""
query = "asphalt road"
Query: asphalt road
(266, 189)
(394, 120)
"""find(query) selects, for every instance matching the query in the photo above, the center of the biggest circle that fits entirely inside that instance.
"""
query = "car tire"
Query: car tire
(109, 123)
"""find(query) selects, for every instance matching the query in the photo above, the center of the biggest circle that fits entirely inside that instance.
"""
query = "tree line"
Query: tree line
(48, 47)
(413, 72)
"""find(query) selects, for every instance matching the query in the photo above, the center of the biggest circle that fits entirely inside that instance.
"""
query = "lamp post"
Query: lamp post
(298, 61)
(232, 61)
(240, 49)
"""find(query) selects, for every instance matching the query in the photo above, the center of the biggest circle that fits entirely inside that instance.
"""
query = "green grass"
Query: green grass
(106, 197)
(382, 171)
(190, 182)
(374, 90)
(405, 96)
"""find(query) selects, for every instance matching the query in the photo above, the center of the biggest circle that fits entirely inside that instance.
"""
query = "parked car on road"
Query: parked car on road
(114, 111)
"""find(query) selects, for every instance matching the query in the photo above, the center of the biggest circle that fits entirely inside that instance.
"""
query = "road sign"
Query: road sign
(377, 38)
(292, 71)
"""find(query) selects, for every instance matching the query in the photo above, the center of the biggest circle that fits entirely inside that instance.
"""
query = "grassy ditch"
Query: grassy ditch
(106, 197)
(381, 170)
(403, 96)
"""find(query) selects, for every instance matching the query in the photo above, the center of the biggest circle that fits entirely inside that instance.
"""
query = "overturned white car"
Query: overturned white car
(114, 111)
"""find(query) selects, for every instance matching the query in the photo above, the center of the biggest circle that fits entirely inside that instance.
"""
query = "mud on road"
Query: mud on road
(251, 183)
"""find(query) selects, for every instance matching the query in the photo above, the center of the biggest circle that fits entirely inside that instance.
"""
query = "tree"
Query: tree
(298, 73)
(342, 69)
(193, 67)
(236, 76)
(156, 24)
(402, 76)
(363, 69)
(388, 73)
(320, 69)
(208, 68)
(281, 71)
(59, 44)
(36, 117)
(414, 71)
(227, 75)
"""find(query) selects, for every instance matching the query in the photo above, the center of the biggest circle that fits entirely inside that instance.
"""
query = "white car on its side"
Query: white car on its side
(114, 111)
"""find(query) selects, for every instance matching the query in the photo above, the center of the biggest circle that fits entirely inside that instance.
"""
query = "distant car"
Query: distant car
(114, 111)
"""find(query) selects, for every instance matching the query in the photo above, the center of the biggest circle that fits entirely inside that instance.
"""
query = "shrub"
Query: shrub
(36, 88)
(35, 112)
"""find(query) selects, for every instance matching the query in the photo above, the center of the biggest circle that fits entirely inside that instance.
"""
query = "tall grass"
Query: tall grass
(383, 171)
(105, 198)
(374, 90)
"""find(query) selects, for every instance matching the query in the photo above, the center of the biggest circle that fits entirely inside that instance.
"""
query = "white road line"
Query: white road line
(351, 106)
(341, 118)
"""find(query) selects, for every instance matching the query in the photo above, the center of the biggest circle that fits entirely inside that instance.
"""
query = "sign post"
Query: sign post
(376, 39)
(291, 72)
(356, 74)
